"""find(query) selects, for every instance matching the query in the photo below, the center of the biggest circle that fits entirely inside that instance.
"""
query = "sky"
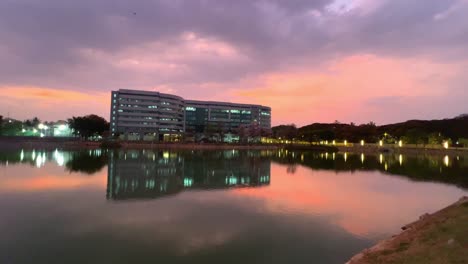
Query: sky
(309, 60)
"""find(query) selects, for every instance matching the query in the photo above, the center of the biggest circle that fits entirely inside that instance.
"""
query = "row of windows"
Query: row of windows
(150, 107)
(150, 118)
(214, 110)
(130, 100)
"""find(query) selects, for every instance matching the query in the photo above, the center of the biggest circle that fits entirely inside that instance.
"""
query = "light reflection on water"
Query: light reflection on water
(213, 206)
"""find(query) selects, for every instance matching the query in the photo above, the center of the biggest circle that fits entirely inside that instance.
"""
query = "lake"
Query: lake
(145, 206)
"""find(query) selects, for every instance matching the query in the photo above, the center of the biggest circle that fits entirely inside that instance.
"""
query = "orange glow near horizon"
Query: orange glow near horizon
(52, 104)
(345, 89)
(359, 88)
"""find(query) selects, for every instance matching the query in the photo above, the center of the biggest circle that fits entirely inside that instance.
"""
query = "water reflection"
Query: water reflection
(84, 160)
(176, 171)
(445, 169)
(334, 204)
(152, 174)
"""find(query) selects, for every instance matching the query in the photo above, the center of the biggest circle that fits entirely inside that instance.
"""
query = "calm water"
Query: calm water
(212, 206)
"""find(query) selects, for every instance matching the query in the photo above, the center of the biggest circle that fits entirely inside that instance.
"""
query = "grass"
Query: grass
(427, 241)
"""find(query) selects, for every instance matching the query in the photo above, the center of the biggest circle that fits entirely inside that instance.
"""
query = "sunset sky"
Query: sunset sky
(310, 60)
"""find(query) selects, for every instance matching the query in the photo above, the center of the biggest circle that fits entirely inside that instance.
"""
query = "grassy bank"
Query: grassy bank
(441, 237)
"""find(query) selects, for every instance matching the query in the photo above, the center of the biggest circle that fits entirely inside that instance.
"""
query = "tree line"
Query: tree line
(87, 126)
(410, 132)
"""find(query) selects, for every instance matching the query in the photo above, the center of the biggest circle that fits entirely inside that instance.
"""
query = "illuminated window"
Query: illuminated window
(265, 113)
(245, 112)
(189, 108)
(235, 111)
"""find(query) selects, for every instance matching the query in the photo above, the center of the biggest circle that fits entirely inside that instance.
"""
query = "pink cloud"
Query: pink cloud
(343, 88)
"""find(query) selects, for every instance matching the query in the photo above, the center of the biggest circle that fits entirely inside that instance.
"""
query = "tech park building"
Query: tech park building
(145, 115)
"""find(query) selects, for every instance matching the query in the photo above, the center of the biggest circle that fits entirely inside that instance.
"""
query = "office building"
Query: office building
(143, 115)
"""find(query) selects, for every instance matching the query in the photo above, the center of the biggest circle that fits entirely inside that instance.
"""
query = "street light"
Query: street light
(446, 145)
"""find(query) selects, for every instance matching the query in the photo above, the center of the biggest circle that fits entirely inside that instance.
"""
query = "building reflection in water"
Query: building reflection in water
(137, 174)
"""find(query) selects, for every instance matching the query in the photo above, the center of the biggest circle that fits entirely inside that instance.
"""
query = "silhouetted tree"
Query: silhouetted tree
(285, 131)
(413, 131)
(243, 134)
(88, 126)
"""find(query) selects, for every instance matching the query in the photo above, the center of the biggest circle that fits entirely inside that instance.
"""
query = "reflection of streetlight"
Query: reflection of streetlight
(446, 161)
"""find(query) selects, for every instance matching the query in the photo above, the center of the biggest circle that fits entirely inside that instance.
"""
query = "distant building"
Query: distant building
(165, 117)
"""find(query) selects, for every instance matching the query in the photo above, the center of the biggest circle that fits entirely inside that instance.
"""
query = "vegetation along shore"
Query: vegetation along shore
(441, 237)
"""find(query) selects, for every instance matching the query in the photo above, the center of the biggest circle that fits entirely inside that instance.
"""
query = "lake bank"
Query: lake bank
(73, 144)
(441, 237)
(76, 143)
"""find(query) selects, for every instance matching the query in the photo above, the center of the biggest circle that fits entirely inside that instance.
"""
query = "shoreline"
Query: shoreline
(373, 150)
(75, 144)
(431, 239)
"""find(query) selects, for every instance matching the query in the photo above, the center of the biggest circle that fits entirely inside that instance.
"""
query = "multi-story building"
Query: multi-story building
(140, 114)
(153, 115)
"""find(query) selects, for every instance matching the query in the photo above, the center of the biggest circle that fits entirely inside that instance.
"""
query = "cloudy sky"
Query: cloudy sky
(310, 60)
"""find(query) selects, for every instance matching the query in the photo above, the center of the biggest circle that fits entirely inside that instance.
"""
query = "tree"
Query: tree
(211, 131)
(415, 136)
(242, 133)
(285, 132)
(88, 126)
(1, 124)
(435, 139)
